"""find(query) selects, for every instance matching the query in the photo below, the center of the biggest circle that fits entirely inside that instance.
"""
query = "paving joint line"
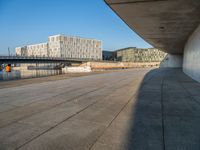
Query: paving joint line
(55, 126)
(52, 106)
(64, 120)
(71, 99)
(36, 101)
(189, 94)
(162, 115)
(113, 120)
(132, 97)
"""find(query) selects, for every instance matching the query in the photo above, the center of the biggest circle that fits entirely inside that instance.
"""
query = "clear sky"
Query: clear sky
(24, 22)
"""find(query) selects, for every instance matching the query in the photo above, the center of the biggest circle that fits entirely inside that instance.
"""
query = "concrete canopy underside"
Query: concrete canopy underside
(165, 24)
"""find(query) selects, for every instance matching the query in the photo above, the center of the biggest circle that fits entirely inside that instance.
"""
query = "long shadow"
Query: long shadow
(165, 114)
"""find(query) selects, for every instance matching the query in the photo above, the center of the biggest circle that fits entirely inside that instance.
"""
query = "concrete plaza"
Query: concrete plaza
(139, 109)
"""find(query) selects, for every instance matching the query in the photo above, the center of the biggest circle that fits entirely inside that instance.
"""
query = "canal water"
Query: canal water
(20, 71)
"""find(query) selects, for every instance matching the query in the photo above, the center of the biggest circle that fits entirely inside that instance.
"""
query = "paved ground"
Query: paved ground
(25, 81)
(125, 110)
(20, 82)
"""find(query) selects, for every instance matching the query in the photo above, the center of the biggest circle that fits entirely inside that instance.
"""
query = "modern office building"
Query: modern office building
(21, 51)
(40, 50)
(64, 47)
(133, 54)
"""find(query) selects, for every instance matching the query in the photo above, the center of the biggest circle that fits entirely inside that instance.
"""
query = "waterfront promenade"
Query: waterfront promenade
(139, 109)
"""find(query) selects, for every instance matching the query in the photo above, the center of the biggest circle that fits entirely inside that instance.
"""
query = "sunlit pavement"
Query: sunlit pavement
(134, 109)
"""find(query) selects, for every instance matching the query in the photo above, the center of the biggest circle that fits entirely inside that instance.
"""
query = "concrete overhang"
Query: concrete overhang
(165, 24)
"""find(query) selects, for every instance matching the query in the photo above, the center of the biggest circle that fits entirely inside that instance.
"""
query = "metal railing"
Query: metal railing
(4, 57)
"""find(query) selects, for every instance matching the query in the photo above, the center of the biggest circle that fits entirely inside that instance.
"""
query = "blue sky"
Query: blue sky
(25, 22)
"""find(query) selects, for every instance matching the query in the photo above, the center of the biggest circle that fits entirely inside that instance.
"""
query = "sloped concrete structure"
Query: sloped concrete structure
(165, 24)
(172, 61)
(191, 63)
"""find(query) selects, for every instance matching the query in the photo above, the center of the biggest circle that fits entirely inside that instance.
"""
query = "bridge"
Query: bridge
(23, 59)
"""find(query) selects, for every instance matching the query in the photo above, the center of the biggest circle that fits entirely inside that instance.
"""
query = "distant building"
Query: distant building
(21, 51)
(133, 54)
(64, 47)
(109, 55)
(40, 50)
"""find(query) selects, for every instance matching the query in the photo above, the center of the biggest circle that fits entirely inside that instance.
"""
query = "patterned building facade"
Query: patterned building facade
(133, 54)
(40, 50)
(65, 47)
(21, 51)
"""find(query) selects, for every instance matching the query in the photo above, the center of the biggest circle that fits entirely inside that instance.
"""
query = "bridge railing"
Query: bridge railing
(46, 58)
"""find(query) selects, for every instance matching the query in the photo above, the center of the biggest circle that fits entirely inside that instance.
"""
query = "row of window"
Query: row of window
(72, 39)
(37, 46)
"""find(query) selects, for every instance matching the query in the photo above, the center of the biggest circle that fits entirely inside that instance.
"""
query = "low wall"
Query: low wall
(76, 69)
(119, 65)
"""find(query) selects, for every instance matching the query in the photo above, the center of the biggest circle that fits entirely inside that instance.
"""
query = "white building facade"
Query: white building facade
(21, 51)
(64, 47)
(40, 50)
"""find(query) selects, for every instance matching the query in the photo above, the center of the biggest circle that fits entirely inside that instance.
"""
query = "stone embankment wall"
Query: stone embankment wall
(119, 65)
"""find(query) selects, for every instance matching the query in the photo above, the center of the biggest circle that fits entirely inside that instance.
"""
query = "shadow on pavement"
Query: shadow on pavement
(165, 114)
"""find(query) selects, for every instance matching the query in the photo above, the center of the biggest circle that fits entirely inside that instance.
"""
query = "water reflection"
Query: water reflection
(32, 70)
